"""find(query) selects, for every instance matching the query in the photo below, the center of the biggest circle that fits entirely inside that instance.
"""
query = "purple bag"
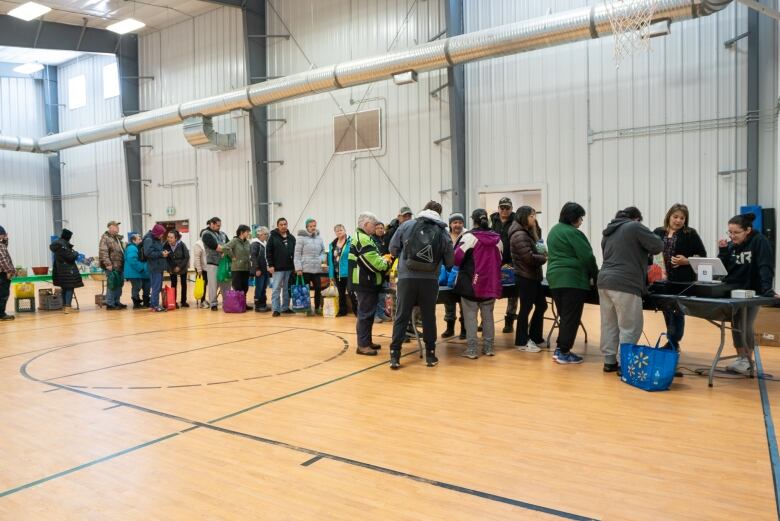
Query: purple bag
(234, 302)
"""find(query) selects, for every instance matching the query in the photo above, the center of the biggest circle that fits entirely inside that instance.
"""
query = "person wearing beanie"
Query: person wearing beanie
(65, 274)
(456, 224)
(478, 256)
(7, 272)
(156, 262)
(308, 258)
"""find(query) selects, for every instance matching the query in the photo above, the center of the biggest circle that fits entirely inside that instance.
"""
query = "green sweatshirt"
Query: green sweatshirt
(238, 251)
(571, 263)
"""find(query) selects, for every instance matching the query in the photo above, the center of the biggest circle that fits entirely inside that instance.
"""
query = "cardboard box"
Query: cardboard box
(767, 327)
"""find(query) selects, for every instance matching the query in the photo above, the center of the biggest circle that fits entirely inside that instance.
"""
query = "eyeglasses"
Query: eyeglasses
(737, 233)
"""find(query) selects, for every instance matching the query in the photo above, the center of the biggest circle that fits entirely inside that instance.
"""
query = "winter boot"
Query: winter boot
(395, 359)
(450, 331)
(137, 303)
(509, 321)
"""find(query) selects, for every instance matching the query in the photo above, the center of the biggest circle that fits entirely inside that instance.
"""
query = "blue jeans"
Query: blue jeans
(140, 290)
(156, 281)
(675, 326)
(113, 295)
(261, 284)
(67, 297)
(281, 291)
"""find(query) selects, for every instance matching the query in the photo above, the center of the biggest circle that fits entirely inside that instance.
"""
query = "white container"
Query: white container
(743, 293)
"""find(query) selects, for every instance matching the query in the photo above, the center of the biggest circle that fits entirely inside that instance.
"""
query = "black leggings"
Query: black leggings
(240, 281)
(531, 296)
(175, 277)
(313, 279)
(344, 293)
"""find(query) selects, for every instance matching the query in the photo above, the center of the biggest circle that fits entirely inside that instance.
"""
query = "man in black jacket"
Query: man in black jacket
(404, 214)
(500, 223)
(279, 253)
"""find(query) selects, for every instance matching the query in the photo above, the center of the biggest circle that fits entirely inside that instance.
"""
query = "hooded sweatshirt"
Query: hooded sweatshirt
(402, 235)
(750, 265)
(626, 245)
(309, 251)
(479, 257)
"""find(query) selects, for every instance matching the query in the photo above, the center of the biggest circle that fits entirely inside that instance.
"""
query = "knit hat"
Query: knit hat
(2, 231)
(66, 234)
(456, 217)
(158, 231)
(310, 220)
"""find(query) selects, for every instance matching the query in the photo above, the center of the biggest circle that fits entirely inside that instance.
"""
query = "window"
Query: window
(77, 92)
(110, 81)
(357, 131)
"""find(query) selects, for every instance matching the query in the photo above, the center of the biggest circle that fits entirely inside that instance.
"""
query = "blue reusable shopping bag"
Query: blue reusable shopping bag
(300, 295)
(648, 368)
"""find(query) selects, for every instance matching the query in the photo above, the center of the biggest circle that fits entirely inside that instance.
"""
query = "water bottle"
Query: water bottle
(656, 377)
(541, 247)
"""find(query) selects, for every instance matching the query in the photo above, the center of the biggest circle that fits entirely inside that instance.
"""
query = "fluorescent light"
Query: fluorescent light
(29, 11)
(126, 26)
(28, 68)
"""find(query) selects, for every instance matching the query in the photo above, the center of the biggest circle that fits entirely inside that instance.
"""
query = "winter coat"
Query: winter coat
(526, 261)
(570, 261)
(111, 252)
(238, 251)
(199, 261)
(309, 250)
(257, 261)
(750, 265)
(366, 265)
(343, 262)
(382, 243)
(688, 243)
(65, 273)
(626, 245)
(478, 256)
(211, 240)
(502, 228)
(178, 257)
(135, 268)
(402, 235)
(153, 249)
(280, 256)
(390, 230)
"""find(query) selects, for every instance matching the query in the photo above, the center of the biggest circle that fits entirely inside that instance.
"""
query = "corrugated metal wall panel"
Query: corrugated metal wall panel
(193, 59)
(94, 181)
(528, 118)
(410, 169)
(28, 221)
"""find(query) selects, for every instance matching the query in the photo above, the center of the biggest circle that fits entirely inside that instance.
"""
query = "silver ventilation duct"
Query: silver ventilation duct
(547, 31)
(199, 132)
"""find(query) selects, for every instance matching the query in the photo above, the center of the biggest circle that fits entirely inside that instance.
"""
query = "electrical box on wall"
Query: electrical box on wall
(170, 211)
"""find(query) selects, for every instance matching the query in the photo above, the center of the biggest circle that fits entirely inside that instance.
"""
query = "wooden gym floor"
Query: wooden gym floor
(200, 415)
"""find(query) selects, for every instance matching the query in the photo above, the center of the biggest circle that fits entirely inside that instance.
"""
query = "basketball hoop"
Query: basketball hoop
(630, 21)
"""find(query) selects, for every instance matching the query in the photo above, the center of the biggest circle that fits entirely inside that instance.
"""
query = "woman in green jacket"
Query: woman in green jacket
(238, 250)
(571, 267)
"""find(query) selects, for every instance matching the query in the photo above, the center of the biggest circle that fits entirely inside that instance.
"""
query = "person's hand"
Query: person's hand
(258, 273)
(219, 248)
(723, 243)
(271, 270)
(109, 268)
(299, 272)
(165, 253)
(680, 260)
(176, 270)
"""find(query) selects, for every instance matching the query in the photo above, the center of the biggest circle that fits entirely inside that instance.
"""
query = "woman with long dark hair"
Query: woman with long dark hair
(680, 242)
(749, 261)
(527, 261)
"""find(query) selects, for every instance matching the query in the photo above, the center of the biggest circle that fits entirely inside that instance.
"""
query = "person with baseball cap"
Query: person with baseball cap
(404, 214)
(7, 272)
(500, 223)
(111, 255)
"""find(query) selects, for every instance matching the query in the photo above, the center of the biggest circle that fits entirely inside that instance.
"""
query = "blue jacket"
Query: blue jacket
(153, 249)
(343, 260)
(134, 267)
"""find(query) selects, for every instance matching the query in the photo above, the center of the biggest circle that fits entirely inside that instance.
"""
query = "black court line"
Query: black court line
(311, 461)
(112, 407)
(51, 390)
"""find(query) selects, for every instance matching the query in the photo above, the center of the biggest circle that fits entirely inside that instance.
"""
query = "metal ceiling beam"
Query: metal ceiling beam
(53, 35)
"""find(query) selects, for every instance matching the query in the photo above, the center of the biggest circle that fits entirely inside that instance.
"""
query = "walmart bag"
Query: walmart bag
(224, 273)
(300, 295)
(648, 368)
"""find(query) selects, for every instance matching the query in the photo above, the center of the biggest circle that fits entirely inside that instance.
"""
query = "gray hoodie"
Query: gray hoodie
(627, 244)
(402, 235)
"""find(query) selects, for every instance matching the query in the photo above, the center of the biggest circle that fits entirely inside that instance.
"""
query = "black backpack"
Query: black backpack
(422, 250)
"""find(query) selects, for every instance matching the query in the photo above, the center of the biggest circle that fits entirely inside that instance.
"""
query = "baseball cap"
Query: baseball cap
(113, 223)
(405, 210)
(505, 201)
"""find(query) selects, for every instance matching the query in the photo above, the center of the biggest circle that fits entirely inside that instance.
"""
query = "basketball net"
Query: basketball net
(630, 21)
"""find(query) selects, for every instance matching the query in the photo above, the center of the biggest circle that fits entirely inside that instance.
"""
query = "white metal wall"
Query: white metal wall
(194, 59)
(410, 169)
(654, 132)
(25, 207)
(94, 182)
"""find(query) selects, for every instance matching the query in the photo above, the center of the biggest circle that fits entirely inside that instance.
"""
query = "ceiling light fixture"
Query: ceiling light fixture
(28, 68)
(29, 11)
(127, 25)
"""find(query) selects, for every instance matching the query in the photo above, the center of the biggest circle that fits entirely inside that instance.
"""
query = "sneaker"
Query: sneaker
(204, 305)
(737, 361)
(541, 344)
(395, 360)
(275, 314)
(376, 346)
(263, 309)
(177, 306)
(568, 358)
(257, 309)
(288, 312)
(121, 306)
(112, 308)
(6, 318)
(309, 313)
(556, 354)
(382, 318)
(530, 347)
(470, 353)
(742, 366)
(430, 359)
(158, 309)
(185, 305)
(488, 351)
(66, 310)
(214, 308)
(612, 368)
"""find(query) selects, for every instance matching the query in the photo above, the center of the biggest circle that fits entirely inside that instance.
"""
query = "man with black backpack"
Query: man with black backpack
(421, 246)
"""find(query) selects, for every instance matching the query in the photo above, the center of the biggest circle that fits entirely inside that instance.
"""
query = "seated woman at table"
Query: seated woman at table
(571, 272)
(680, 242)
(749, 260)
(65, 274)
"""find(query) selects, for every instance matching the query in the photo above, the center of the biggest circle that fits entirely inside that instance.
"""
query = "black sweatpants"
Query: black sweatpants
(342, 284)
(366, 309)
(531, 295)
(175, 277)
(569, 302)
(5, 292)
(410, 293)
(313, 279)
(240, 281)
